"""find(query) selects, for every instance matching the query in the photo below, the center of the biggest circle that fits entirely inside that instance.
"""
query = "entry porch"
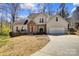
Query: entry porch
(33, 28)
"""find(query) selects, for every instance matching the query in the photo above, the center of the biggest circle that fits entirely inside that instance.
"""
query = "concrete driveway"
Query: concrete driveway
(65, 45)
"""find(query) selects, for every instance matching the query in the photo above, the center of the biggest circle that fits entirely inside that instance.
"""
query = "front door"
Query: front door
(41, 30)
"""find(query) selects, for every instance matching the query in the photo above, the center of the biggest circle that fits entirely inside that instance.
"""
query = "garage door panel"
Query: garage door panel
(57, 30)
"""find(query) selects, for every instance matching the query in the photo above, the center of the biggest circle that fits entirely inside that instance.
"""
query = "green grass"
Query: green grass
(3, 40)
(4, 35)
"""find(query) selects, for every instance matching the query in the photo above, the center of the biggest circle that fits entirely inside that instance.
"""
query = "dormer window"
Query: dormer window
(57, 19)
(41, 20)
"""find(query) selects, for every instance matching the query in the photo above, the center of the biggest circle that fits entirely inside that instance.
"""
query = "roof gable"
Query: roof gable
(34, 15)
(31, 23)
(52, 17)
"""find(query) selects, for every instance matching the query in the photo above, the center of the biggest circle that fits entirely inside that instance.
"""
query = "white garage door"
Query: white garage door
(56, 31)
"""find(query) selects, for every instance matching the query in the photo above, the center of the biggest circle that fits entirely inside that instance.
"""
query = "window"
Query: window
(17, 28)
(41, 20)
(57, 19)
(22, 29)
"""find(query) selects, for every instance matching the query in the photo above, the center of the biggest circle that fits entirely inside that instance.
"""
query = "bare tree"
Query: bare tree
(50, 9)
(1, 17)
(13, 9)
(63, 10)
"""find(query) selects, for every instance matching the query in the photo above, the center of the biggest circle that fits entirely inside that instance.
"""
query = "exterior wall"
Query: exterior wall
(19, 27)
(48, 25)
(61, 23)
(32, 27)
(37, 19)
(35, 28)
(41, 26)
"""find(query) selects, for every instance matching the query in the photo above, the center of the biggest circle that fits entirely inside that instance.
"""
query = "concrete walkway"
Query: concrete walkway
(60, 45)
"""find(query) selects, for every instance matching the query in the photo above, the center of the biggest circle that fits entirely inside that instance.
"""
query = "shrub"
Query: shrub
(5, 29)
(72, 30)
(72, 33)
(12, 34)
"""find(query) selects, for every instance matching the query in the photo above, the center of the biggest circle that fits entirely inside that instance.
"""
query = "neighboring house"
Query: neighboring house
(44, 23)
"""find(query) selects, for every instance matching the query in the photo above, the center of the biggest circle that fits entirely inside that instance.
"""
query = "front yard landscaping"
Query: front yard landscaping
(23, 45)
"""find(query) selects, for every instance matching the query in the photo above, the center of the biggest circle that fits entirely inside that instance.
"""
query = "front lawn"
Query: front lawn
(23, 45)
(3, 40)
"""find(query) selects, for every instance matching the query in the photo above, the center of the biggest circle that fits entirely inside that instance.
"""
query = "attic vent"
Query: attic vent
(57, 19)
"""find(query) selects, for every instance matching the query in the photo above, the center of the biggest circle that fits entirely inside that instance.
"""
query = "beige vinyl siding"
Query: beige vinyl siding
(53, 24)
(19, 27)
